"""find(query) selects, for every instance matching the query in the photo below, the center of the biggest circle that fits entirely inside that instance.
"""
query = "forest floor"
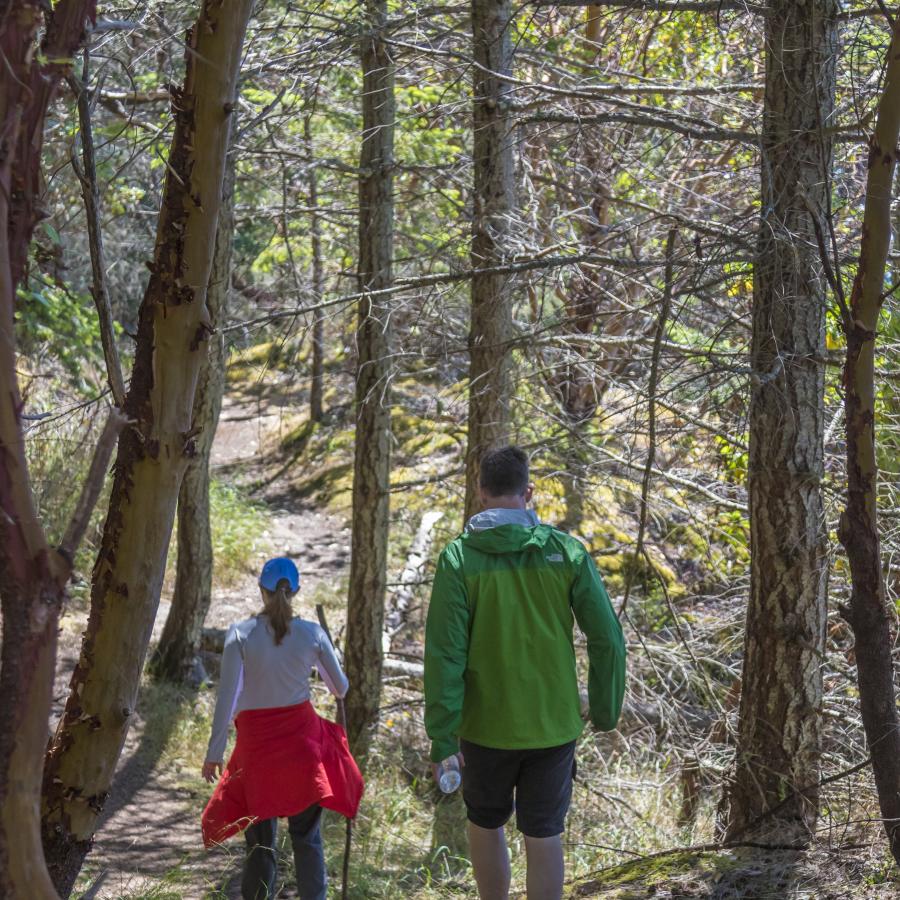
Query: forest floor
(405, 843)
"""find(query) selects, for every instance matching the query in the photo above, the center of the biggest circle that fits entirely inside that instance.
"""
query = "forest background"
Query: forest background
(627, 236)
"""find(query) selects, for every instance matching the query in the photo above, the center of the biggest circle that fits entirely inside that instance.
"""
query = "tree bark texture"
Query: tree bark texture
(29, 101)
(492, 218)
(779, 736)
(179, 643)
(372, 460)
(153, 453)
(32, 576)
(868, 614)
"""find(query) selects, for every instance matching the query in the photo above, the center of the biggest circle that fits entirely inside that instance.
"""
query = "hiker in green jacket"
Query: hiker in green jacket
(501, 687)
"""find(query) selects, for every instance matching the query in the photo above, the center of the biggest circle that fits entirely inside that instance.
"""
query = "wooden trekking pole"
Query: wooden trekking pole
(342, 721)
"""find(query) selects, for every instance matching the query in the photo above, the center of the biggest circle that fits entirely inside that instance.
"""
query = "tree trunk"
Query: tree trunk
(572, 478)
(868, 614)
(779, 737)
(153, 453)
(371, 472)
(318, 279)
(176, 656)
(26, 102)
(32, 576)
(493, 209)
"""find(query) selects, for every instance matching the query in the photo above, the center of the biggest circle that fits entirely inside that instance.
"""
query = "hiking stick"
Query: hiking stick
(342, 721)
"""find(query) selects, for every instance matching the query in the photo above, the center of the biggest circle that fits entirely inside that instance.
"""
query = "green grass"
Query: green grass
(59, 456)
(176, 884)
(410, 842)
(238, 525)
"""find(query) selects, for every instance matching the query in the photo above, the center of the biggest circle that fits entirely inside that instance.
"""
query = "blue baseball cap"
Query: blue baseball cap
(278, 569)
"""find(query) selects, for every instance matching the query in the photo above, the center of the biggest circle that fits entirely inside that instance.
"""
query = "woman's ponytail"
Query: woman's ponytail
(277, 607)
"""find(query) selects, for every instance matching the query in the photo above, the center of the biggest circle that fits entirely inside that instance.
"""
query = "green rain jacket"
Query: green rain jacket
(499, 655)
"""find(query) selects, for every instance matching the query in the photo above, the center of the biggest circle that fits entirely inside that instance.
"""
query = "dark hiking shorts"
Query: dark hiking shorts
(540, 780)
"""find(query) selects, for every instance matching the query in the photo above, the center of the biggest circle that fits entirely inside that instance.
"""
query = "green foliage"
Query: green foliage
(238, 530)
(238, 524)
(59, 455)
(734, 527)
(52, 321)
(735, 460)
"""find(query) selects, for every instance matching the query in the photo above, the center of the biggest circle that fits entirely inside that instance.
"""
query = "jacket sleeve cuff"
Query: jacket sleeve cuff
(443, 748)
(604, 723)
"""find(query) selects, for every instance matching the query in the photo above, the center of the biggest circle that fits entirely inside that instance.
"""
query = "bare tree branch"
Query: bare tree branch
(93, 485)
(651, 413)
(91, 193)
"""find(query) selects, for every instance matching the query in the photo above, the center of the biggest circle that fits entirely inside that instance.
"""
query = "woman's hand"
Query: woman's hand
(211, 771)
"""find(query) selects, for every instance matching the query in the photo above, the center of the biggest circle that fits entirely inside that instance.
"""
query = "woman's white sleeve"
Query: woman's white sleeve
(329, 667)
(230, 683)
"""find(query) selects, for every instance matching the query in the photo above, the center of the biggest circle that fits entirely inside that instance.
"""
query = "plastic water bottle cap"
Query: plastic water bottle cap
(450, 780)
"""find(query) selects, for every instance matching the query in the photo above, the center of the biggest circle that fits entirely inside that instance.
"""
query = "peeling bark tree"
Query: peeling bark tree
(153, 453)
(32, 576)
(868, 613)
(779, 738)
(372, 461)
(494, 204)
(176, 656)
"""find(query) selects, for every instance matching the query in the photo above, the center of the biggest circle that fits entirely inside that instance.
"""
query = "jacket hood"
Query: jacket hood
(505, 531)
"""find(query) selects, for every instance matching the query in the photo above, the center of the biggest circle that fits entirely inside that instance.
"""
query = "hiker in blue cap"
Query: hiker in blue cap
(287, 761)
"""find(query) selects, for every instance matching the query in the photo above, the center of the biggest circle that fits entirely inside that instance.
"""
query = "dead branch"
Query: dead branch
(92, 486)
(91, 194)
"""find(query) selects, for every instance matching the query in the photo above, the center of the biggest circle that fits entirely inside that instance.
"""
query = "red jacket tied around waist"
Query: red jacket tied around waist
(285, 760)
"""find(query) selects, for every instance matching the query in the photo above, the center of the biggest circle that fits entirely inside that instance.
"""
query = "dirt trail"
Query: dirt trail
(151, 821)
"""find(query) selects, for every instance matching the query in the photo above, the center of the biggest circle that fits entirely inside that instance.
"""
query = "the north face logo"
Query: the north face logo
(554, 557)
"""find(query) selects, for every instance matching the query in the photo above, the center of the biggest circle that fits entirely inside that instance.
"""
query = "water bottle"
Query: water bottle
(450, 777)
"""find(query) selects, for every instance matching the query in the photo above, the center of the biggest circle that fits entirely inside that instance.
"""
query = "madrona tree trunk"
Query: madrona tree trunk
(493, 209)
(779, 736)
(32, 576)
(176, 656)
(372, 461)
(868, 614)
(153, 452)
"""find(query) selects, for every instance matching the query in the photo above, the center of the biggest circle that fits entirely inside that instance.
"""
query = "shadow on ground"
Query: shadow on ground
(150, 827)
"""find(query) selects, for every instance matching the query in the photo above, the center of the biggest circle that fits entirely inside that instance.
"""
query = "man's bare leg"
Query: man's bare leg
(546, 869)
(490, 860)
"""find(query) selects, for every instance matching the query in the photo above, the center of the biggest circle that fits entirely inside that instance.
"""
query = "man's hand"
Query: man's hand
(211, 771)
(436, 767)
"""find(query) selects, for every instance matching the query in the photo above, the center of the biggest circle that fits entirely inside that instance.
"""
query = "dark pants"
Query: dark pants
(261, 866)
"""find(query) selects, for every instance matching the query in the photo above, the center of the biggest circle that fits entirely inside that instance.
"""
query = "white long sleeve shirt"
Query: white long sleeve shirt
(257, 673)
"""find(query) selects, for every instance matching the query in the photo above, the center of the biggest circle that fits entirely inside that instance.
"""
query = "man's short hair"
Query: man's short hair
(504, 472)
